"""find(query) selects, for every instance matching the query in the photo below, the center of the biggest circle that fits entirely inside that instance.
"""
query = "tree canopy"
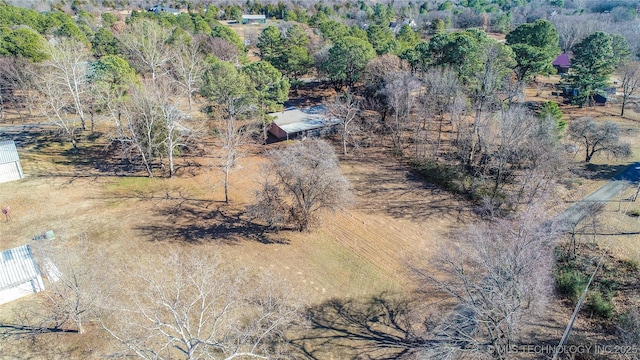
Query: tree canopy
(535, 45)
(594, 61)
(460, 50)
(347, 60)
(22, 42)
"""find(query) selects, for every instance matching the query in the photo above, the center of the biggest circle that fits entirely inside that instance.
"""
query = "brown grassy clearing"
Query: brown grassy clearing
(357, 253)
(361, 251)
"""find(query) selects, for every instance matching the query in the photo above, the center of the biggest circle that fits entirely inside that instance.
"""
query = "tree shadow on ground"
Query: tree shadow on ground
(92, 157)
(192, 221)
(396, 191)
(385, 326)
(601, 171)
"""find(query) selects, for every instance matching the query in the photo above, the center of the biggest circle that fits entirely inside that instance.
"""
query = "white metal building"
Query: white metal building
(19, 274)
(299, 122)
(10, 168)
(254, 19)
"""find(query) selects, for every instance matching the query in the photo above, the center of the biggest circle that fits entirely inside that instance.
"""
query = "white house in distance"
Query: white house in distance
(10, 168)
(19, 274)
(296, 122)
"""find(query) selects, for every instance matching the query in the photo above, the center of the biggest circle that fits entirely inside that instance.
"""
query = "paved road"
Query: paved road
(579, 210)
(460, 324)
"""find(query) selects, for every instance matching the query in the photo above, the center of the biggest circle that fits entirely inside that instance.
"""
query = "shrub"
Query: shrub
(600, 306)
(552, 110)
(570, 284)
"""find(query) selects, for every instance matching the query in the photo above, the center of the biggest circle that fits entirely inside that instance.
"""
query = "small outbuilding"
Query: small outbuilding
(254, 19)
(10, 168)
(562, 63)
(158, 9)
(296, 123)
(19, 274)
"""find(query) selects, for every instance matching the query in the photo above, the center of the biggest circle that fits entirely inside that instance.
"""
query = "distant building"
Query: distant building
(395, 26)
(254, 19)
(562, 63)
(10, 168)
(295, 123)
(162, 9)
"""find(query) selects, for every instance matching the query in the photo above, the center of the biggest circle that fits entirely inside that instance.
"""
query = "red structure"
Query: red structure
(562, 63)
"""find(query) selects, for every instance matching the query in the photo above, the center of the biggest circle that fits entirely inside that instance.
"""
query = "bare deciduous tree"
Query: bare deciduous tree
(16, 85)
(499, 273)
(573, 28)
(150, 125)
(521, 149)
(220, 48)
(194, 307)
(177, 132)
(630, 82)
(301, 180)
(228, 90)
(188, 67)
(69, 65)
(346, 107)
(233, 135)
(53, 106)
(62, 84)
(442, 95)
(497, 63)
(597, 138)
(76, 286)
(146, 44)
(401, 91)
(380, 67)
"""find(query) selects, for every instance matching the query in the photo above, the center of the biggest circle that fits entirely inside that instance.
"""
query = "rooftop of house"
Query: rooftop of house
(294, 120)
(562, 60)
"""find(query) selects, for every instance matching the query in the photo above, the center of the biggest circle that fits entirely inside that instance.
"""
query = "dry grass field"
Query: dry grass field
(359, 252)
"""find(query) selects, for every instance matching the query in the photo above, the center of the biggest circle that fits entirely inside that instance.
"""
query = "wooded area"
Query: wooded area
(453, 116)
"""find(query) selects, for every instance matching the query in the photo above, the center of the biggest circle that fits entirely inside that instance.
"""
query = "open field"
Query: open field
(359, 253)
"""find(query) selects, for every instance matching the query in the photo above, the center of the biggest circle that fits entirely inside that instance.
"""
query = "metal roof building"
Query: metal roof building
(294, 122)
(19, 274)
(254, 19)
(10, 168)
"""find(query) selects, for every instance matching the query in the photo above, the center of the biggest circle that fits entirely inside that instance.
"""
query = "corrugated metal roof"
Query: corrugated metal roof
(254, 17)
(8, 152)
(17, 266)
(294, 120)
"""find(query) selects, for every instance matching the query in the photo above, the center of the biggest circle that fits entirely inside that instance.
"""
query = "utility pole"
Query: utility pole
(567, 331)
